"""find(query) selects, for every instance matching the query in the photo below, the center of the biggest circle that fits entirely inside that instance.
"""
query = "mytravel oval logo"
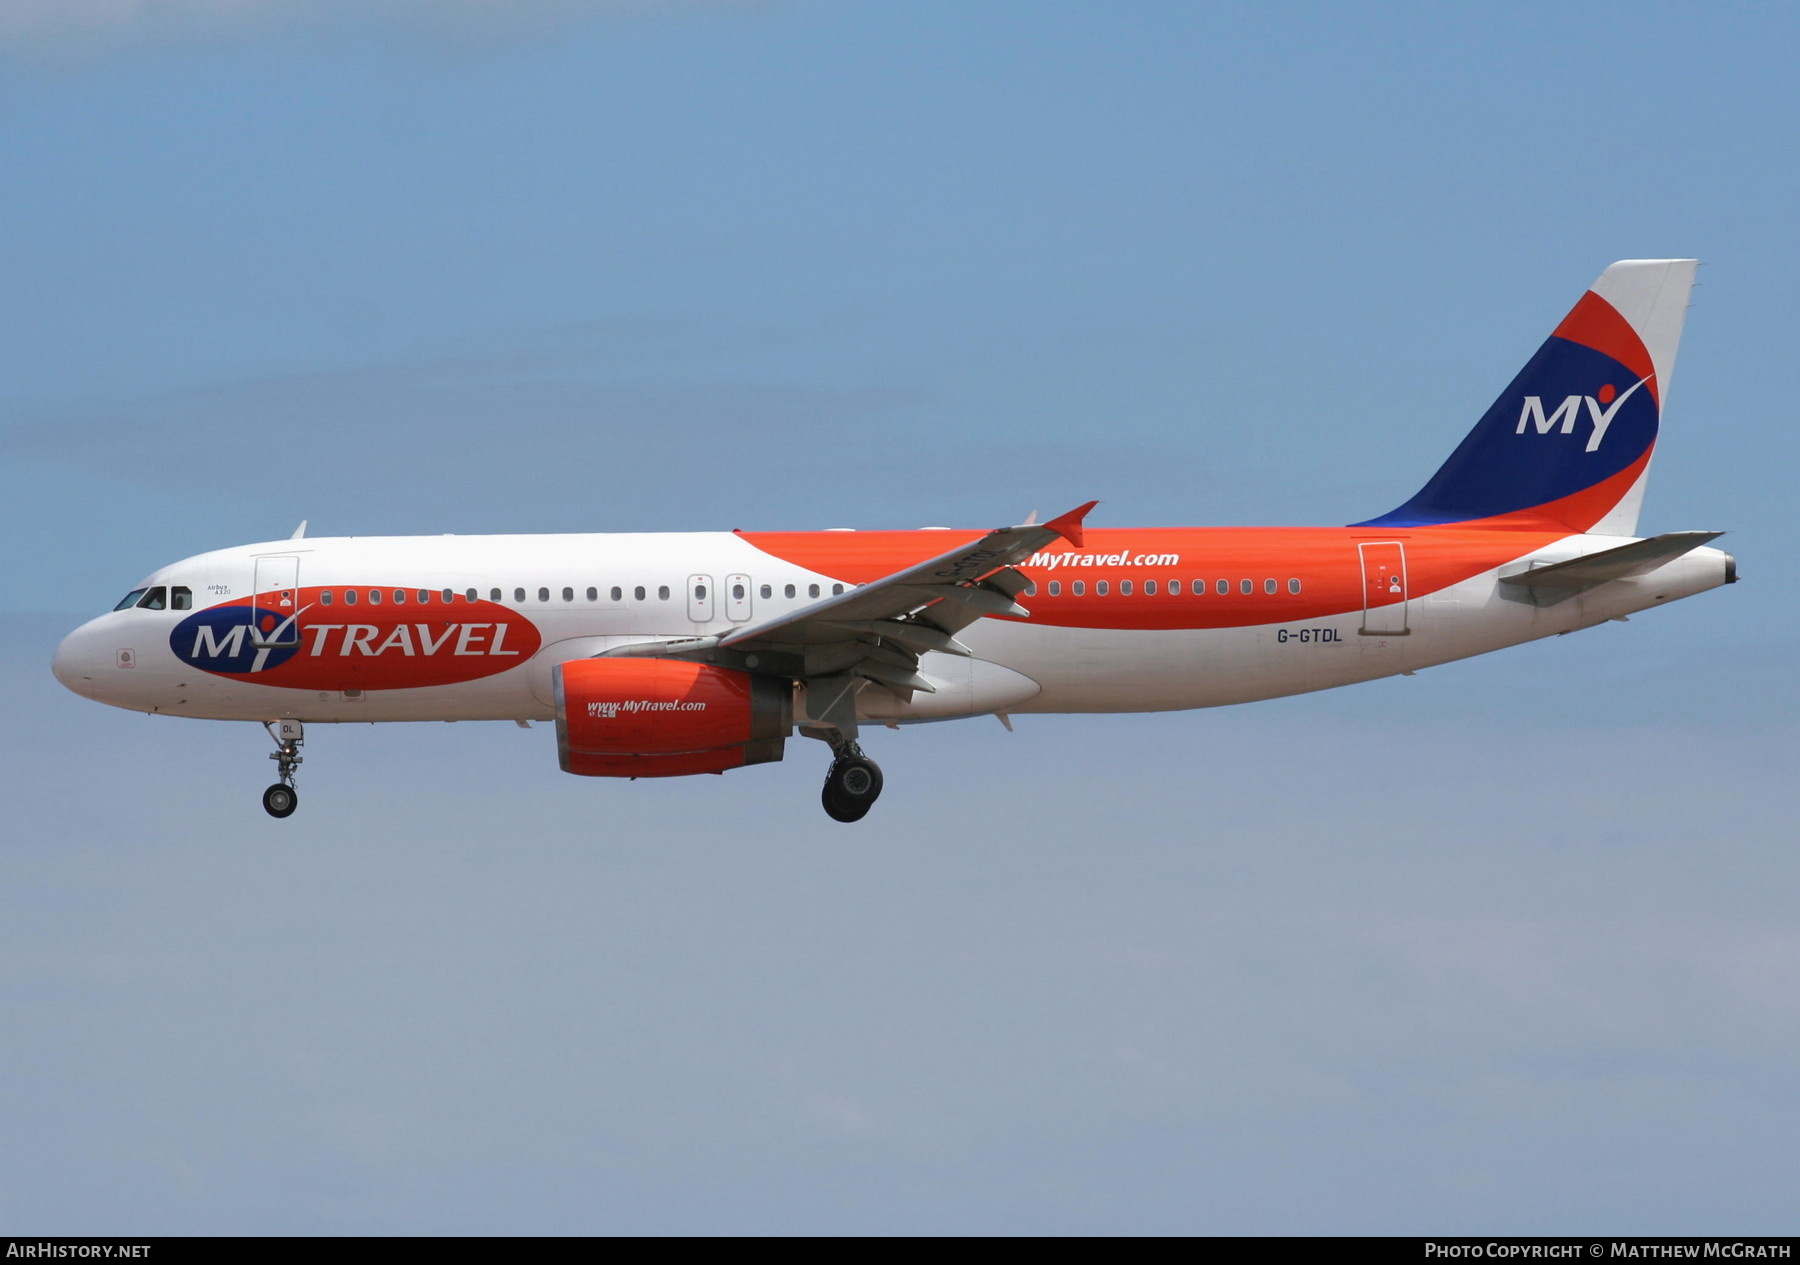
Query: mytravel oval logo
(291, 639)
(236, 640)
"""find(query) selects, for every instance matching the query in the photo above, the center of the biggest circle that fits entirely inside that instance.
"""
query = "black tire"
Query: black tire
(280, 800)
(851, 789)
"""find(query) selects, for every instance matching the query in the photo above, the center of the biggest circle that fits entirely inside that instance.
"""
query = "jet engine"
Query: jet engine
(666, 717)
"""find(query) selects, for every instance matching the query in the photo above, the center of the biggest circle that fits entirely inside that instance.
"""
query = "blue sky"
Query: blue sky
(1506, 946)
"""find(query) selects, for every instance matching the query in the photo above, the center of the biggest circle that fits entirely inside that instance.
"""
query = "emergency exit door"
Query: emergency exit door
(700, 598)
(737, 597)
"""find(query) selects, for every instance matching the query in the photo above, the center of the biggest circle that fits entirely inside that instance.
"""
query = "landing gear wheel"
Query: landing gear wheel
(280, 800)
(851, 788)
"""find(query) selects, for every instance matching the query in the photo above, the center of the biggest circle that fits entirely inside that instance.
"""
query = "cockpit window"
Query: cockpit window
(181, 598)
(130, 599)
(155, 600)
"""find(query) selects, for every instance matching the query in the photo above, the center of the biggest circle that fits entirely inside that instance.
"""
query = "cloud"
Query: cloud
(405, 442)
(629, 424)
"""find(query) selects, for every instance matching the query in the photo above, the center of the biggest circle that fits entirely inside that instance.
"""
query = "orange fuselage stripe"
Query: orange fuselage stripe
(1326, 561)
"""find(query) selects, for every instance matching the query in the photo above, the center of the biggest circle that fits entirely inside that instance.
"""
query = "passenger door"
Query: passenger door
(277, 589)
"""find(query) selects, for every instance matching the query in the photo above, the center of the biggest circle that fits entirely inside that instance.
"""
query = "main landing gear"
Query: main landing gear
(281, 799)
(852, 785)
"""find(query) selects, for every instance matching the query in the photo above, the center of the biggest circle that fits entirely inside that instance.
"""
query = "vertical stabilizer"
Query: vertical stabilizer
(1569, 441)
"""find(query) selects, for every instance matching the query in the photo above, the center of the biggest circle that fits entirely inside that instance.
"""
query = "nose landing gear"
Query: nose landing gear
(281, 799)
(852, 785)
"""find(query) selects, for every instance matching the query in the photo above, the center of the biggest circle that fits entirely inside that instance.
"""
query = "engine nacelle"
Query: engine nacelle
(666, 717)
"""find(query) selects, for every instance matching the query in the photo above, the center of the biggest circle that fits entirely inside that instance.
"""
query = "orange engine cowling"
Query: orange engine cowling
(666, 717)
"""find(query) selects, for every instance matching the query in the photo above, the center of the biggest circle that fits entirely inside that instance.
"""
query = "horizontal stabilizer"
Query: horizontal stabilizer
(1563, 579)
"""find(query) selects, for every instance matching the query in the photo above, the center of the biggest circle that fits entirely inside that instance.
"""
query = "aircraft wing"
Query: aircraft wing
(878, 630)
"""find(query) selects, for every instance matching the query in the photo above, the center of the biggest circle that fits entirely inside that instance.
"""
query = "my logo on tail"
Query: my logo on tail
(1601, 408)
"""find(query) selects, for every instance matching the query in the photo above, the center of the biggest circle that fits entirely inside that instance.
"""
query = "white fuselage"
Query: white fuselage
(572, 596)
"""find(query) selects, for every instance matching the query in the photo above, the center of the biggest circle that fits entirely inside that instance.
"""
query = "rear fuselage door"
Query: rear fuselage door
(1384, 589)
(700, 598)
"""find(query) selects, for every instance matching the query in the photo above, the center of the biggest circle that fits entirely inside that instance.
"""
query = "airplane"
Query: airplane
(669, 655)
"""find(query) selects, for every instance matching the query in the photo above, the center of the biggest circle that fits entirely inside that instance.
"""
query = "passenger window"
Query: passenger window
(788, 591)
(155, 599)
(699, 592)
(493, 595)
(474, 595)
(399, 598)
(812, 590)
(325, 597)
(1150, 588)
(1078, 588)
(424, 597)
(1224, 587)
(1293, 586)
(836, 589)
(1056, 588)
(568, 595)
(349, 597)
(1101, 588)
(518, 595)
(618, 594)
(1268, 586)
(1246, 586)
(662, 592)
(638, 592)
(766, 591)
(543, 595)
(1125, 588)
(449, 595)
(374, 597)
(737, 592)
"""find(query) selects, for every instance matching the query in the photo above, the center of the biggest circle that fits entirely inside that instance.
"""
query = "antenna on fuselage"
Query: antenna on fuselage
(299, 532)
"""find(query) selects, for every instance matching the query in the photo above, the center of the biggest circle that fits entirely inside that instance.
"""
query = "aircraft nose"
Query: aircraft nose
(73, 663)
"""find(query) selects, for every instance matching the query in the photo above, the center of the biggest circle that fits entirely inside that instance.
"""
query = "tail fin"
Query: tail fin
(1569, 441)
